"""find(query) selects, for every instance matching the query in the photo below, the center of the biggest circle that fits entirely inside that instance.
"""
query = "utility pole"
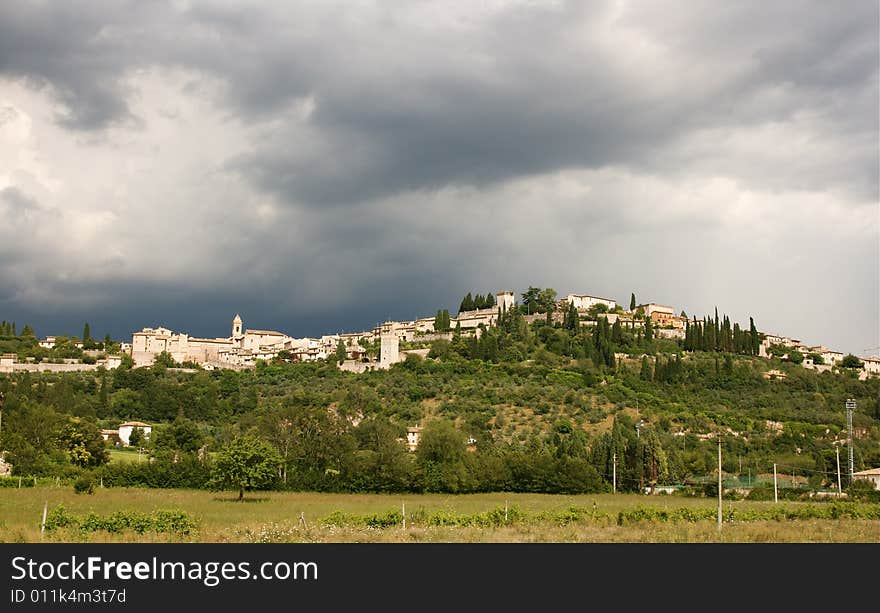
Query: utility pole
(839, 486)
(2, 400)
(719, 483)
(614, 473)
(775, 489)
(850, 406)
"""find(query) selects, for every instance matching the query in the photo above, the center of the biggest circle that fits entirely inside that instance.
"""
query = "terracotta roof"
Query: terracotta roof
(137, 424)
(868, 473)
(264, 332)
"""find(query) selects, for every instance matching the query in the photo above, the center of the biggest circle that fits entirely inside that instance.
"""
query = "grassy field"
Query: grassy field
(127, 455)
(275, 517)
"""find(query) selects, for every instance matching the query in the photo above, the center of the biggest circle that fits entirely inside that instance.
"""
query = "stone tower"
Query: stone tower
(389, 352)
(504, 300)
(236, 328)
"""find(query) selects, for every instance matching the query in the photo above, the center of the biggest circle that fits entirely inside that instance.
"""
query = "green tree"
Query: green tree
(646, 373)
(572, 319)
(490, 300)
(136, 438)
(244, 464)
(547, 300)
(340, 352)
(850, 361)
(595, 309)
(632, 302)
(467, 304)
(441, 456)
(182, 436)
(83, 442)
(530, 300)
(87, 336)
(164, 359)
(479, 302)
(795, 356)
(649, 330)
(817, 358)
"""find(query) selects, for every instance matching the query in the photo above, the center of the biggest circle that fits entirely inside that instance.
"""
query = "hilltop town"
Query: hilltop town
(380, 347)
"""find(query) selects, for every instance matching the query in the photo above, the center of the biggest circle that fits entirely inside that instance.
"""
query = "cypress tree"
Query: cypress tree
(467, 304)
(490, 300)
(479, 302)
(617, 332)
(572, 321)
(87, 336)
(755, 344)
(632, 302)
(646, 374)
(717, 331)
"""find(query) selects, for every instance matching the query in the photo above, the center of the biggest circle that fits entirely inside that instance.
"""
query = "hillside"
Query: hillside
(545, 408)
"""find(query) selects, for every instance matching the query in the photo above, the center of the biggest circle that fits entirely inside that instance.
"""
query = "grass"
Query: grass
(127, 456)
(274, 517)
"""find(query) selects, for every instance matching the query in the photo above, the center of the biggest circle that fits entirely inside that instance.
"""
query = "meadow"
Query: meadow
(326, 517)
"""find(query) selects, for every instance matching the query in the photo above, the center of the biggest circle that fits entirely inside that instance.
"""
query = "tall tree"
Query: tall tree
(572, 320)
(490, 300)
(87, 336)
(467, 304)
(632, 302)
(340, 352)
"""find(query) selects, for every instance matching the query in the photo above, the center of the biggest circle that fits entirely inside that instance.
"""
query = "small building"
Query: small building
(110, 435)
(661, 315)
(125, 430)
(48, 342)
(872, 474)
(775, 374)
(871, 365)
(413, 435)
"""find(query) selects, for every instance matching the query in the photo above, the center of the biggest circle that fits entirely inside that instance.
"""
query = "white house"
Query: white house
(126, 429)
(872, 474)
(583, 302)
(871, 365)
(48, 342)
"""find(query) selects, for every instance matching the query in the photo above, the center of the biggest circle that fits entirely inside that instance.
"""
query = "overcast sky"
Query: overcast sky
(320, 167)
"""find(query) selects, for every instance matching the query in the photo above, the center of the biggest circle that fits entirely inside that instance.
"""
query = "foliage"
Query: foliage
(84, 485)
(160, 521)
(245, 463)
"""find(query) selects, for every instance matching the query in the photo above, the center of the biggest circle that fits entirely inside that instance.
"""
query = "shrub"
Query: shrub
(162, 520)
(84, 485)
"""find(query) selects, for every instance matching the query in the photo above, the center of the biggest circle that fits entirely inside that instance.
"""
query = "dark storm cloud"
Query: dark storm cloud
(401, 105)
(386, 154)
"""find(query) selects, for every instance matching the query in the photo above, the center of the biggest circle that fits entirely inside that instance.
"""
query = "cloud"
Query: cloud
(333, 165)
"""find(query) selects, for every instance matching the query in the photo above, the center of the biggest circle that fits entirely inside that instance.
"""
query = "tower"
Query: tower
(504, 300)
(236, 328)
(389, 351)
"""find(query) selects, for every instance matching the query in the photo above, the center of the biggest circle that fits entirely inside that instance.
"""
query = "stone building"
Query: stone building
(583, 302)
